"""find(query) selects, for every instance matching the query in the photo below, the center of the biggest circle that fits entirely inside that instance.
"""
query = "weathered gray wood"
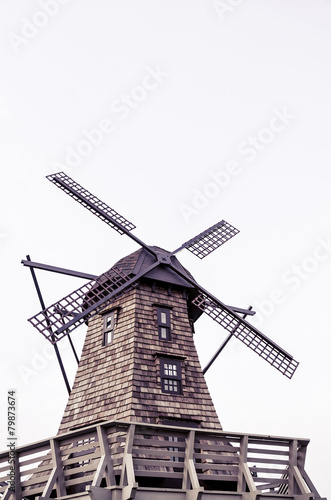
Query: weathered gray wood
(127, 481)
(87, 478)
(248, 478)
(190, 479)
(7, 494)
(129, 491)
(56, 477)
(105, 466)
(97, 493)
(309, 483)
(302, 451)
(242, 459)
(195, 494)
(154, 452)
(300, 481)
(224, 458)
(158, 463)
(293, 458)
(18, 485)
(80, 458)
(245, 477)
(164, 451)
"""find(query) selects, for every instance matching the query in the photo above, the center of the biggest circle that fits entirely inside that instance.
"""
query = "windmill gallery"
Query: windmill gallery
(139, 421)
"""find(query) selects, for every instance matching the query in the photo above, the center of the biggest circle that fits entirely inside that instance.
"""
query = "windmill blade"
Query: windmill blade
(91, 202)
(210, 239)
(96, 206)
(67, 314)
(240, 328)
(248, 334)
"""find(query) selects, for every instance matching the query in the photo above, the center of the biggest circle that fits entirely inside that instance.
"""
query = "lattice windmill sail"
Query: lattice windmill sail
(68, 313)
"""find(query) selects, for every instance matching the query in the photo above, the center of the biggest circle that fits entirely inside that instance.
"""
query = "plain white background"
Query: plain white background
(225, 71)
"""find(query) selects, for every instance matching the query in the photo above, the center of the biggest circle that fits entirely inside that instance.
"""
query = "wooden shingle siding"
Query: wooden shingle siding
(122, 379)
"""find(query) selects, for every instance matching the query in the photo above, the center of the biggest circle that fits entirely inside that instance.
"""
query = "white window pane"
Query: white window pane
(109, 322)
(163, 318)
(171, 370)
(164, 332)
(108, 337)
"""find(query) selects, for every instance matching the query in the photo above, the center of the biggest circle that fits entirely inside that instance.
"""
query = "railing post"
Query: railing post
(18, 487)
(105, 466)
(127, 481)
(302, 451)
(57, 474)
(244, 475)
(293, 459)
(190, 478)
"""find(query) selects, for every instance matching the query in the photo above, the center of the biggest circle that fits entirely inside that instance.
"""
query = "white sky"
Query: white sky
(223, 80)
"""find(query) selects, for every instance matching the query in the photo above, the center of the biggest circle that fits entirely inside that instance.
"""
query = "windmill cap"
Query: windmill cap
(138, 261)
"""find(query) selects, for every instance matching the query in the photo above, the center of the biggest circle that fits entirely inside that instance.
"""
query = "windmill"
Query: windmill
(140, 422)
(62, 317)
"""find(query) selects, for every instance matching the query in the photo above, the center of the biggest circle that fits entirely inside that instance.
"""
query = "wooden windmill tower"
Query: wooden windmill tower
(140, 421)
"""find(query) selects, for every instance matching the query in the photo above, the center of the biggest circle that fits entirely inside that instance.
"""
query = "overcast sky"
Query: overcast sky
(177, 114)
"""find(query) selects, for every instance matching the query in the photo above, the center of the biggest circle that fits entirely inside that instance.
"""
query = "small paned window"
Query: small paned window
(163, 323)
(83, 442)
(171, 376)
(108, 327)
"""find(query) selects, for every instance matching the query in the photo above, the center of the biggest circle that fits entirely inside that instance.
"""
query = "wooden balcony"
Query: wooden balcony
(122, 460)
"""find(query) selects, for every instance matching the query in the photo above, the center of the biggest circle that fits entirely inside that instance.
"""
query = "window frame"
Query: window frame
(166, 377)
(106, 331)
(164, 325)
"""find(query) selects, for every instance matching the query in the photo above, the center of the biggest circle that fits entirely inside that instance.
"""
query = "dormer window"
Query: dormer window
(163, 323)
(108, 327)
(171, 375)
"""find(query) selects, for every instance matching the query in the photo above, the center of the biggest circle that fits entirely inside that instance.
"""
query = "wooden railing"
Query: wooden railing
(127, 456)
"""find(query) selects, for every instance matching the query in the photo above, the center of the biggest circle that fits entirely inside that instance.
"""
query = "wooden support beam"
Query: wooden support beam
(245, 479)
(190, 478)
(293, 461)
(302, 452)
(7, 494)
(57, 476)
(195, 494)
(105, 466)
(18, 486)
(300, 481)
(249, 480)
(127, 481)
(310, 484)
(97, 493)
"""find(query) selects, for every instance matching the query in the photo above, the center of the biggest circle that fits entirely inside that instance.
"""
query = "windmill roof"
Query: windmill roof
(138, 261)
(141, 259)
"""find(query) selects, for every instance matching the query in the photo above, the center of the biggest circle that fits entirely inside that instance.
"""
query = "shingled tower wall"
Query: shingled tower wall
(122, 380)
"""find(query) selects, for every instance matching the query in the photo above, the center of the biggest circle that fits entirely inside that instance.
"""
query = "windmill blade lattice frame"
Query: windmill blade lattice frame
(248, 334)
(91, 202)
(209, 240)
(64, 316)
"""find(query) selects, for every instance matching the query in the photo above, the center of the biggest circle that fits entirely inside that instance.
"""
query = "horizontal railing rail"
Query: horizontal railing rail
(126, 455)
